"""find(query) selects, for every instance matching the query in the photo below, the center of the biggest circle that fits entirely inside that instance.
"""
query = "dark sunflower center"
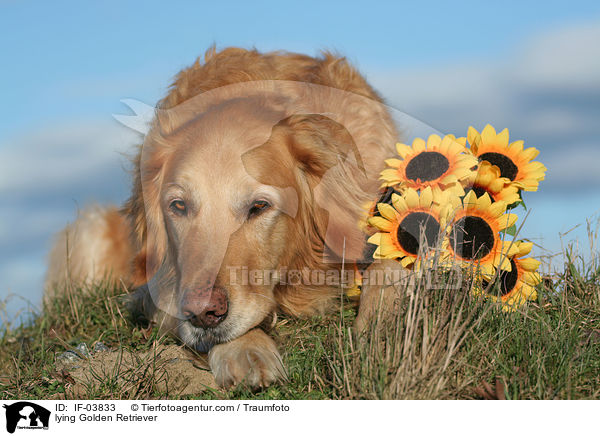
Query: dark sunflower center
(508, 280)
(472, 238)
(409, 231)
(507, 167)
(478, 190)
(426, 166)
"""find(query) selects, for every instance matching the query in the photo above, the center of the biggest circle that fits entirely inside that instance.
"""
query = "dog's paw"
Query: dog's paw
(251, 359)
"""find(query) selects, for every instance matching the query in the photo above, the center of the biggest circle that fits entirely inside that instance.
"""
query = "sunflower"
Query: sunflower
(514, 162)
(487, 179)
(442, 164)
(385, 197)
(354, 289)
(474, 234)
(412, 219)
(370, 209)
(513, 288)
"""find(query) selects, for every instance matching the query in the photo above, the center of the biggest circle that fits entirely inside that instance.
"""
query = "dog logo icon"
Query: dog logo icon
(26, 415)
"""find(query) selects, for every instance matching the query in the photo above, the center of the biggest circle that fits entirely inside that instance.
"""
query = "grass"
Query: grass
(438, 345)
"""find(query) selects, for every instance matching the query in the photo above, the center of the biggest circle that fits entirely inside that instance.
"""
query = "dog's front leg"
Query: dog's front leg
(380, 296)
(251, 359)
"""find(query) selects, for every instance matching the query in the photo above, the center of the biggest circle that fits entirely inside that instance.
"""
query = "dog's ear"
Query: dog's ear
(340, 189)
(144, 209)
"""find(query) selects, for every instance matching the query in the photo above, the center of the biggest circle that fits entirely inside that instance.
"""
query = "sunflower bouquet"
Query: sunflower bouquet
(450, 200)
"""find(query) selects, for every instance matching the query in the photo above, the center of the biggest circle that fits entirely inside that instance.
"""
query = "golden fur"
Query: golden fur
(307, 134)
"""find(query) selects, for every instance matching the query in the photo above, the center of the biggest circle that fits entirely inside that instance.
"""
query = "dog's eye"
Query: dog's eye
(258, 207)
(178, 207)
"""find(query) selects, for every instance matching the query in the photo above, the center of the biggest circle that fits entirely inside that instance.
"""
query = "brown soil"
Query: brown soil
(171, 369)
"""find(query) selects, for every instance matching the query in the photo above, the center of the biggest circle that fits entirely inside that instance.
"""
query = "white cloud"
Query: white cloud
(547, 92)
(26, 221)
(557, 120)
(574, 167)
(567, 58)
(45, 177)
(64, 155)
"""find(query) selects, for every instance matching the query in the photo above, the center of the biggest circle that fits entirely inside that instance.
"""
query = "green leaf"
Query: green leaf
(516, 204)
(512, 230)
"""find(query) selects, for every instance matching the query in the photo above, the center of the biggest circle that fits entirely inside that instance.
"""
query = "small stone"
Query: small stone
(99, 347)
(82, 349)
(68, 360)
(69, 356)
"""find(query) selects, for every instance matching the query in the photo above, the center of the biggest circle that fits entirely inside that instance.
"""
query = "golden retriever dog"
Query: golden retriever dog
(248, 194)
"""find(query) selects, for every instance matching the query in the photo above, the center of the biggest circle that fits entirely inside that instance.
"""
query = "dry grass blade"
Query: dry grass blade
(407, 353)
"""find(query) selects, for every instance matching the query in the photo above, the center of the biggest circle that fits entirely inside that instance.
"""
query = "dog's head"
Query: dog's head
(236, 197)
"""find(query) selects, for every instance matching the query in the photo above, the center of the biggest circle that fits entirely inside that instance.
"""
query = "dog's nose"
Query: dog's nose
(206, 307)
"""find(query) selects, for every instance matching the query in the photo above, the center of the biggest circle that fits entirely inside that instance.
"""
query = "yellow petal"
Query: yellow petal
(509, 248)
(484, 202)
(390, 175)
(497, 208)
(507, 220)
(487, 269)
(532, 278)
(510, 198)
(386, 249)
(403, 150)
(407, 261)
(488, 135)
(529, 187)
(375, 239)
(502, 138)
(505, 264)
(467, 160)
(462, 141)
(387, 239)
(462, 173)
(535, 166)
(529, 264)
(470, 200)
(525, 248)
(493, 169)
(495, 185)
(386, 211)
(353, 292)
(381, 223)
(393, 162)
(399, 203)
(449, 179)
(474, 139)
(433, 141)
(426, 197)
(530, 154)
(443, 146)
(418, 145)
(455, 189)
(529, 293)
(517, 147)
(412, 198)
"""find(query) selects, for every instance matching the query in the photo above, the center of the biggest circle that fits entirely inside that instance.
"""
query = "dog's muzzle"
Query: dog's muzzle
(205, 307)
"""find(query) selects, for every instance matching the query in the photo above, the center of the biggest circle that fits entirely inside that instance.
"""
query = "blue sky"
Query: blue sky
(55, 51)
(530, 66)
